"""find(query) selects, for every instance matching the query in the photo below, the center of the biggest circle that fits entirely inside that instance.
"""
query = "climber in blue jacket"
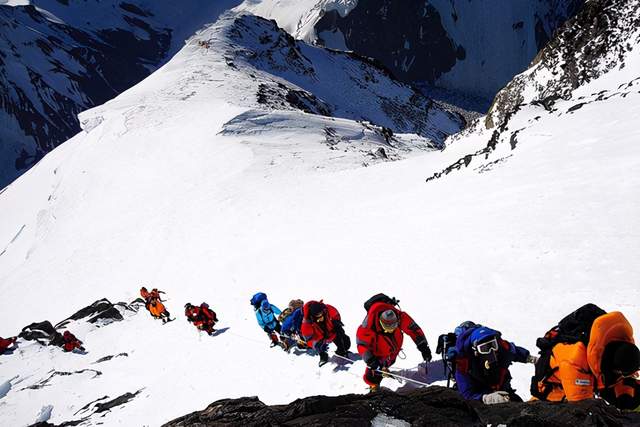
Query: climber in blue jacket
(266, 317)
(291, 329)
(482, 360)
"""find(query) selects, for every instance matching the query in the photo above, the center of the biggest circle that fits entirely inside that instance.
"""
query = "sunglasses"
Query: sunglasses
(319, 317)
(487, 347)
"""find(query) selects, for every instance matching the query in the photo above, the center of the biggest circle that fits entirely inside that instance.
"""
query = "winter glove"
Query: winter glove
(532, 359)
(426, 351)
(495, 398)
(373, 363)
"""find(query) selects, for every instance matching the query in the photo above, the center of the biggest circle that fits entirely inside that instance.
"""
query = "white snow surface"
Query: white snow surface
(155, 192)
(297, 17)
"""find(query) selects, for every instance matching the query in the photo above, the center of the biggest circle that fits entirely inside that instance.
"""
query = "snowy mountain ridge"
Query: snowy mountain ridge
(186, 182)
(58, 58)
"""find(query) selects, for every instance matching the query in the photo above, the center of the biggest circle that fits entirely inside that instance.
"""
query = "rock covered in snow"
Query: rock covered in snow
(423, 407)
(592, 43)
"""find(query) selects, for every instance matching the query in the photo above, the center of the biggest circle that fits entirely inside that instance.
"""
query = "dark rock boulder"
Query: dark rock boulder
(99, 310)
(427, 406)
(587, 46)
(42, 332)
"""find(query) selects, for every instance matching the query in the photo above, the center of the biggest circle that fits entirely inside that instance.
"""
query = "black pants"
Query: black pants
(342, 341)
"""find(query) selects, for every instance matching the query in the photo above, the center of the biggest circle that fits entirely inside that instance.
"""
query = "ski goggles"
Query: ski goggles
(388, 328)
(487, 347)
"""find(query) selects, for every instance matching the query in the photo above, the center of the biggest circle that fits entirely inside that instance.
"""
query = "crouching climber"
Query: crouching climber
(201, 316)
(291, 330)
(7, 344)
(379, 338)
(321, 325)
(590, 353)
(69, 342)
(482, 360)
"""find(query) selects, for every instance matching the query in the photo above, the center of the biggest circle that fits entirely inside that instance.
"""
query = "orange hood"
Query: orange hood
(606, 328)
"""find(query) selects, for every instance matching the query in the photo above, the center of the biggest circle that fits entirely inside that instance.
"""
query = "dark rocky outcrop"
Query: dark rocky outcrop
(50, 71)
(42, 332)
(585, 47)
(99, 310)
(423, 407)
(380, 28)
(437, 42)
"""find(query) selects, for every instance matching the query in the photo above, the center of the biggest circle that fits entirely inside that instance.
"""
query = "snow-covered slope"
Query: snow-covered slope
(58, 58)
(187, 184)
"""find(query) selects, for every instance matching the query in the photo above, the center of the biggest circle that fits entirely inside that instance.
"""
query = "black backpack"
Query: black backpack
(576, 327)
(380, 298)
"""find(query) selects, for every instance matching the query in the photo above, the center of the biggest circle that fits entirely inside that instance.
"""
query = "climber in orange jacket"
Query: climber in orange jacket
(607, 366)
(154, 304)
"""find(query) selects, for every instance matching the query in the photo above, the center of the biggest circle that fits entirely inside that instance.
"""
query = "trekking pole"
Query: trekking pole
(396, 376)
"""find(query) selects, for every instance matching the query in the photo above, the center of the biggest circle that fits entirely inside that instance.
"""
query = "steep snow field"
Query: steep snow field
(158, 191)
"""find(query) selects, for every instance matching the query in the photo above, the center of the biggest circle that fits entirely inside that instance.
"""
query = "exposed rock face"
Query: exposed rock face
(50, 71)
(592, 43)
(422, 407)
(101, 312)
(457, 44)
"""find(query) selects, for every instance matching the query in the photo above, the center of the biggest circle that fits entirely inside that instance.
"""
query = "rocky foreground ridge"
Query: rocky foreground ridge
(423, 407)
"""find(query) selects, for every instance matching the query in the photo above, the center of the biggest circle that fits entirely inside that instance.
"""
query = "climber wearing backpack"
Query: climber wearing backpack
(266, 317)
(589, 353)
(381, 334)
(291, 330)
(293, 305)
(156, 307)
(321, 325)
(70, 342)
(202, 317)
(482, 359)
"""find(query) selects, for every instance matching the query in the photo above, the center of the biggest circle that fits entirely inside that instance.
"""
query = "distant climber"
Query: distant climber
(7, 344)
(321, 325)
(155, 305)
(589, 353)
(482, 361)
(201, 316)
(70, 342)
(266, 316)
(379, 338)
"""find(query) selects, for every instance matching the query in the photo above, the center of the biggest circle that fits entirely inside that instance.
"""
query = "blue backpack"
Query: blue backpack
(257, 299)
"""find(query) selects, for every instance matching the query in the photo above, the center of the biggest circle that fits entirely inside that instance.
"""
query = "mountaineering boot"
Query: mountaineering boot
(274, 339)
(374, 388)
(324, 358)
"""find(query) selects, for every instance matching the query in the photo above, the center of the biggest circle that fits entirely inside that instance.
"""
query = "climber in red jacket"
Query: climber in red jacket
(321, 325)
(380, 337)
(5, 343)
